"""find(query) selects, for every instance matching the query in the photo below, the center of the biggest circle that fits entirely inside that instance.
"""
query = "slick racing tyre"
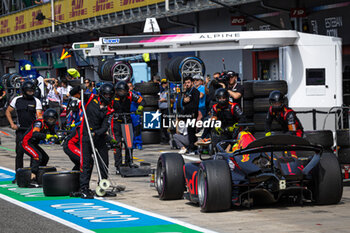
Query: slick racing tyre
(23, 175)
(151, 100)
(147, 88)
(320, 137)
(214, 186)
(263, 88)
(343, 138)
(42, 171)
(117, 70)
(170, 181)
(328, 182)
(248, 90)
(60, 183)
(344, 155)
(259, 123)
(183, 67)
(263, 104)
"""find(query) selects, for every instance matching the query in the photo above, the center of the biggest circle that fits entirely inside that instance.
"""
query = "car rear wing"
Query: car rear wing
(279, 143)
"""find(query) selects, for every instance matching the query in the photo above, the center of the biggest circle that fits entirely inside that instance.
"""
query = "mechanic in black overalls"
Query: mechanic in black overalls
(41, 129)
(285, 116)
(99, 120)
(121, 104)
(28, 108)
(228, 113)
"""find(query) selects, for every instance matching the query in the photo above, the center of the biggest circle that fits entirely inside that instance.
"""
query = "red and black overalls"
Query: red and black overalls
(228, 115)
(30, 144)
(287, 119)
(99, 123)
(122, 106)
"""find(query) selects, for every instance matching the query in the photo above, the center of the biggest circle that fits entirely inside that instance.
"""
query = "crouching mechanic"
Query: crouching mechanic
(285, 116)
(121, 104)
(228, 113)
(41, 129)
(71, 145)
(98, 120)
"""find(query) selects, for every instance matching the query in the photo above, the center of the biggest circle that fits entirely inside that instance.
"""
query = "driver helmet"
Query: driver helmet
(222, 97)
(107, 93)
(122, 89)
(50, 117)
(276, 100)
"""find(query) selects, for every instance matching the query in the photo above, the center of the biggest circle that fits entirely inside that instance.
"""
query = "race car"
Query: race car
(247, 171)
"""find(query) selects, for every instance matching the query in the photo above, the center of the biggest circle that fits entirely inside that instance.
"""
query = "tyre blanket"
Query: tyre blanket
(89, 215)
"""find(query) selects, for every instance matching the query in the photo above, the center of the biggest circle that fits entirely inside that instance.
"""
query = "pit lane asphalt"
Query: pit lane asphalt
(138, 193)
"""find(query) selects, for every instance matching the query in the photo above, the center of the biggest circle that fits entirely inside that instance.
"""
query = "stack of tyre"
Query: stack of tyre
(181, 67)
(149, 92)
(343, 143)
(256, 103)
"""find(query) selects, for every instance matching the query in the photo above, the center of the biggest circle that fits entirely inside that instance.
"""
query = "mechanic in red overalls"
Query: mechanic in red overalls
(285, 116)
(121, 104)
(71, 144)
(41, 129)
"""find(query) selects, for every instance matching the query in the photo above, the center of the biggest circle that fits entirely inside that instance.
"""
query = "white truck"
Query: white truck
(310, 64)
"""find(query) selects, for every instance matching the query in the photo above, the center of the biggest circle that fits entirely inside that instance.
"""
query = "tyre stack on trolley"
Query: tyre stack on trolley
(149, 92)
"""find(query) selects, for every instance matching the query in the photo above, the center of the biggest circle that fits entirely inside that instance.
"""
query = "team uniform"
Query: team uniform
(30, 144)
(99, 122)
(287, 119)
(26, 109)
(122, 105)
(228, 115)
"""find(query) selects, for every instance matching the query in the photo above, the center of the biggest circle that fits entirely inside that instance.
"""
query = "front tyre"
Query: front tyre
(170, 181)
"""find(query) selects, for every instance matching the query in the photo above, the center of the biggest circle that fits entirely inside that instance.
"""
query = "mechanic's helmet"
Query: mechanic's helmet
(73, 105)
(107, 93)
(74, 73)
(50, 117)
(222, 96)
(122, 89)
(28, 89)
(276, 100)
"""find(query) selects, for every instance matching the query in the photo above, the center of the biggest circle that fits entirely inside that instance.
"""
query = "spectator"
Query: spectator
(181, 138)
(93, 84)
(163, 105)
(53, 96)
(198, 83)
(64, 91)
(89, 88)
(156, 79)
(234, 88)
(190, 102)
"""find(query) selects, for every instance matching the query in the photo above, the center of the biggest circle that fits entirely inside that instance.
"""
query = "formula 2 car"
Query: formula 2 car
(253, 171)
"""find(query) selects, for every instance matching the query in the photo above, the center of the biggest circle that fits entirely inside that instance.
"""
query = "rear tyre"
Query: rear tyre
(169, 176)
(328, 180)
(23, 177)
(61, 183)
(214, 186)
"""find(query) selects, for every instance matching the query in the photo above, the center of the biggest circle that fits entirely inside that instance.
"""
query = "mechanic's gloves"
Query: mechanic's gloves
(139, 110)
(114, 142)
(49, 136)
(72, 125)
(268, 134)
(219, 130)
(232, 128)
